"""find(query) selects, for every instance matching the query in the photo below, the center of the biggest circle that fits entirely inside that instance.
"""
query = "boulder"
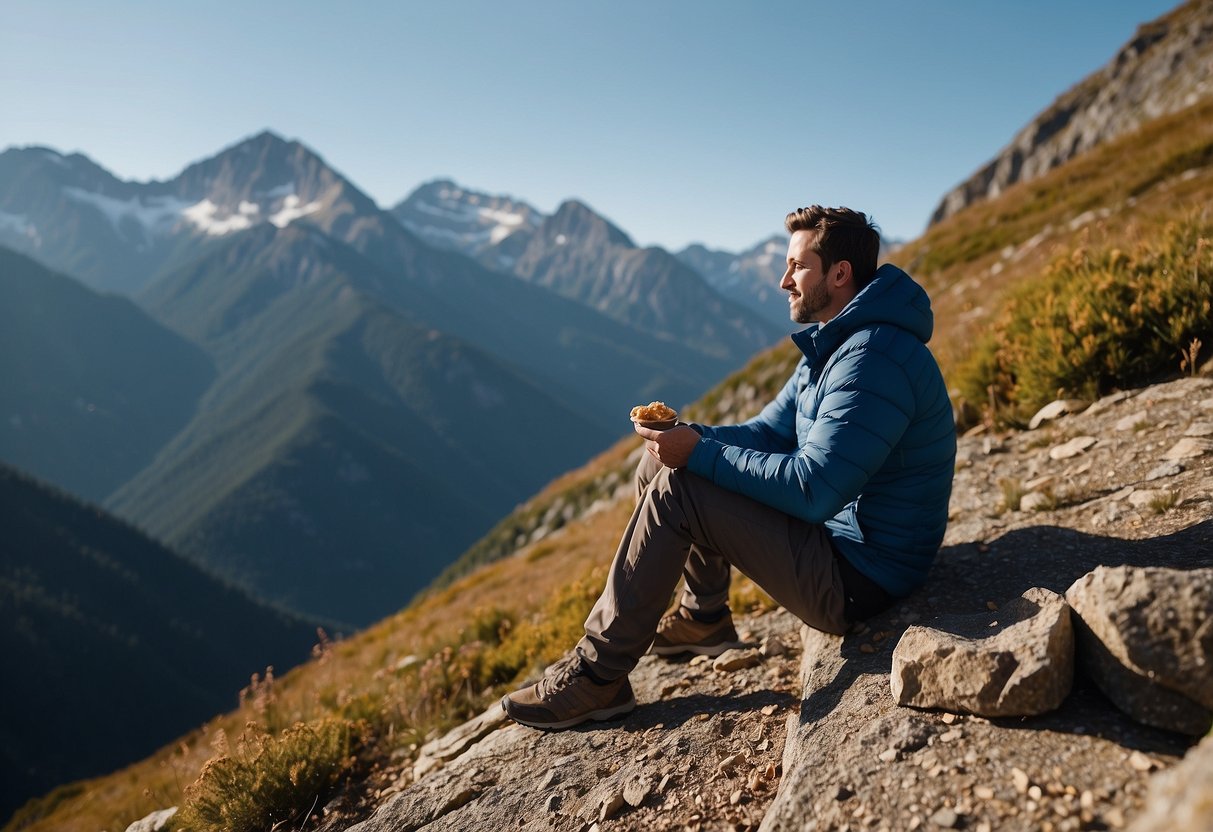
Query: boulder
(1145, 636)
(1181, 798)
(1016, 662)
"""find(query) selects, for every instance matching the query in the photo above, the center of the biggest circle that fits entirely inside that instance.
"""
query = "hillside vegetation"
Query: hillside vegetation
(518, 598)
(1134, 210)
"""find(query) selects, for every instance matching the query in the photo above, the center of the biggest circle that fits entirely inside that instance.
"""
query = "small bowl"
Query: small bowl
(663, 424)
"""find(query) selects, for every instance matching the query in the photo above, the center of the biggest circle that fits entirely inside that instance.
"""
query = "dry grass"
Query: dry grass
(270, 781)
(972, 260)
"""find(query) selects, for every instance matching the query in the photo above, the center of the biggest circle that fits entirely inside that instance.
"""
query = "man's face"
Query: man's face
(809, 294)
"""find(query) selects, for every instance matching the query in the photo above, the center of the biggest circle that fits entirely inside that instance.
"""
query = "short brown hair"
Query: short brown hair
(842, 234)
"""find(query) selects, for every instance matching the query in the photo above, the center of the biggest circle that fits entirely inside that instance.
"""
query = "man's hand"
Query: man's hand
(672, 448)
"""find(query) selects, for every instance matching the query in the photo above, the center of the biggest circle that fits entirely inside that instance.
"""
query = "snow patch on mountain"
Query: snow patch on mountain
(204, 217)
(156, 214)
(161, 214)
(452, 217)
(291, 210)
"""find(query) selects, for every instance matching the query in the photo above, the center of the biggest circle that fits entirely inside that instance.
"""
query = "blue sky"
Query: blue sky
(680, 121)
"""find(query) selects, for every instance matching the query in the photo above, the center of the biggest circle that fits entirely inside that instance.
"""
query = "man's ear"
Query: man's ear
(845, 271)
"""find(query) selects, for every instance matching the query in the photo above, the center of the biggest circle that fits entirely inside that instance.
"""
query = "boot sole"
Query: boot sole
(600, 715)
(697, 649)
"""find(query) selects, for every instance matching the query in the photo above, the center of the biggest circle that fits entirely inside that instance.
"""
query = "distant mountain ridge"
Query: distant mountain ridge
(1165, 67)
(91, 386)
(750, 278)
(74, 216)
(580, 255)
(342, 455)
(372, 398)
(113, 644)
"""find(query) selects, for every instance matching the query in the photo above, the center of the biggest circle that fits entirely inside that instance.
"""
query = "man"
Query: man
(833, 499)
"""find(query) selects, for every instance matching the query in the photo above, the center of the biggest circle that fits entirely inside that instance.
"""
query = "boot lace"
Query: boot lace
(559, 676)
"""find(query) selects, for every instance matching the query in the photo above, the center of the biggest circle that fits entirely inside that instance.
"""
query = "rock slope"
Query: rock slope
(745, 745)
(702, 750)
(1168, 65)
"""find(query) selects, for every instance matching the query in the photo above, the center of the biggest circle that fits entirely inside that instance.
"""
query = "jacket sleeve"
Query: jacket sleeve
(773, 430)
(866, 405)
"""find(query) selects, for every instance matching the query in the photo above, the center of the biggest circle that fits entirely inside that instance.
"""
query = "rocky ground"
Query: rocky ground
(1129, 480)
(703, 750)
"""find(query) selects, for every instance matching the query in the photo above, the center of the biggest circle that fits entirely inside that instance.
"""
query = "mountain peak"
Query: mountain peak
(450, 216)
(265, 145)
(576, 221)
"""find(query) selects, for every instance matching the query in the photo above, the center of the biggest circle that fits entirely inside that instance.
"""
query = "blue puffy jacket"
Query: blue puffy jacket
(861, 438)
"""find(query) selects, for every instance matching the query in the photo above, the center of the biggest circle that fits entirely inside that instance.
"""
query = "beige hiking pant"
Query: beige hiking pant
(685, 525)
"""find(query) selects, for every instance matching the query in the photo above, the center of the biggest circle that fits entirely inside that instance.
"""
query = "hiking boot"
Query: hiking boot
(679, 632)
(567, 696)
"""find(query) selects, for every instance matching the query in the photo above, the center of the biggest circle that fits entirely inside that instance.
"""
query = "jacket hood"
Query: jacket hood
(891, 297)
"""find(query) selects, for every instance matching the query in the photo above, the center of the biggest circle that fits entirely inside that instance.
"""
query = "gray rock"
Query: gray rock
(1199, 429)
(1145, 636)
(1023, 665)
(1189, 447)
(1073, 448)
(1166, 469)
(153, 822)
(1057, 409)
(1181, 799)
(732, 660)
(416, 808)
(1131, 421)
(1109, 400)
(450, 745)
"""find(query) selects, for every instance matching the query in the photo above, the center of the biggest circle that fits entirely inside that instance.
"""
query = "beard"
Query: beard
(804, 309)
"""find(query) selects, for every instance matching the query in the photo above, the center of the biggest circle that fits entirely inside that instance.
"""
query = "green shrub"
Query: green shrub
(270, 781)
(1095, 321)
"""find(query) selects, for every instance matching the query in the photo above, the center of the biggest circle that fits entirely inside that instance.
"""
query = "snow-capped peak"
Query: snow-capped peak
(453, 217)
(160, 215)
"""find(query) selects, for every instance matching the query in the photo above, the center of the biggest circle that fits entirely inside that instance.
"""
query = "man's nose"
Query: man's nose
(786, 282)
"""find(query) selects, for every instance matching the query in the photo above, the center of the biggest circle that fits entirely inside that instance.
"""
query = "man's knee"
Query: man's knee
(646, 470)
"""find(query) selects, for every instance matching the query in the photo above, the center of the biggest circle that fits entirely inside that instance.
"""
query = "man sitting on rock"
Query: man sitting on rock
(833, 499)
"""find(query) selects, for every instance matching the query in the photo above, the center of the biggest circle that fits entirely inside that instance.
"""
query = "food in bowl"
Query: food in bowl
(655, 415)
